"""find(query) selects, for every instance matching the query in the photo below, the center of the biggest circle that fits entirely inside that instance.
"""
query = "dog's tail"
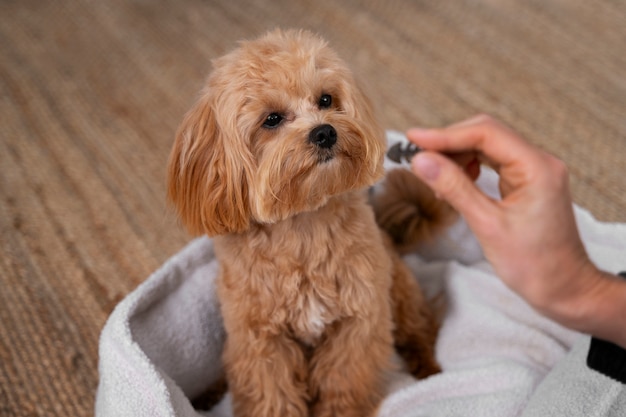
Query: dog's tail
(408, 210)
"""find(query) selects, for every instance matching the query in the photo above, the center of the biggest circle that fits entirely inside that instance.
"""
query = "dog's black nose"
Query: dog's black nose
(324, 136)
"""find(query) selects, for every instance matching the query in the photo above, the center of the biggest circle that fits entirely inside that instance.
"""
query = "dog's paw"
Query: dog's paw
(417, 363)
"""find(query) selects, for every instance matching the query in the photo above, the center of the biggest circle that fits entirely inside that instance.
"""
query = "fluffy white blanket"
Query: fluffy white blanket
(162, 344)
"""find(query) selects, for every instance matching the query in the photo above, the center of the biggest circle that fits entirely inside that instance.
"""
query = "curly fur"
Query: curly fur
(309, 286)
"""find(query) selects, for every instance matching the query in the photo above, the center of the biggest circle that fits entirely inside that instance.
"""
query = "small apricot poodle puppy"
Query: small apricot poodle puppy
(274, 161)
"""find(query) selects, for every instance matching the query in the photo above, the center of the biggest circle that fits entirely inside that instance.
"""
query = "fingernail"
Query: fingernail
(426, 167)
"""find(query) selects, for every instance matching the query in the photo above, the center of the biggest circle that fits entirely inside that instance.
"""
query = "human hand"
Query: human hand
(530, 235)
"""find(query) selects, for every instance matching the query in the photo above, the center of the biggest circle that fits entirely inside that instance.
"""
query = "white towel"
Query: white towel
(162, 344)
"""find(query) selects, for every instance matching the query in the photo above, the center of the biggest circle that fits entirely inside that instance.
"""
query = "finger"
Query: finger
(479, 118)
(495, 142)
(469, 161)
(449, 182)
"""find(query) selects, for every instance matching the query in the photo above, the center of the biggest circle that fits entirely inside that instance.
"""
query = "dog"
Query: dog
(274, 161)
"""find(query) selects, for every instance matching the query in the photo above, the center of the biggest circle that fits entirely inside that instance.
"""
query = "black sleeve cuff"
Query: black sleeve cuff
(608, 358)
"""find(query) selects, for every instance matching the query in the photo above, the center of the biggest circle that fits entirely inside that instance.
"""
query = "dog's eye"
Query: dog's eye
(326, 101)
(273, 120)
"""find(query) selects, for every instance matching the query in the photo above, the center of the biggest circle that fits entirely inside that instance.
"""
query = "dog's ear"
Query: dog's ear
(208, 174)
(360, 108)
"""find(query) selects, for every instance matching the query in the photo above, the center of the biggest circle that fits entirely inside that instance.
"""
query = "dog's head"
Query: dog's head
(279, 128)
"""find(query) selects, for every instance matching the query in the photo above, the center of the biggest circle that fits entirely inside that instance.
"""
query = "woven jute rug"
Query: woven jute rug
(91, 93)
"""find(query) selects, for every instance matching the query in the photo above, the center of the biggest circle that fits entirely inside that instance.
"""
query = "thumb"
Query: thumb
(451, 183)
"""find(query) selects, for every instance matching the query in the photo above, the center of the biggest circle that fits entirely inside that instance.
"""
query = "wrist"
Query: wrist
(600, 311)
(608, 358)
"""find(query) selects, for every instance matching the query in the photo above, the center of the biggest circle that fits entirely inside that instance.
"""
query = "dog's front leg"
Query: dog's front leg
(266, 374)
(349, 370)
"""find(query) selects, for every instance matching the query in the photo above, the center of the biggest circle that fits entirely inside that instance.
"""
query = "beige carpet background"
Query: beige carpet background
(91, 93)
